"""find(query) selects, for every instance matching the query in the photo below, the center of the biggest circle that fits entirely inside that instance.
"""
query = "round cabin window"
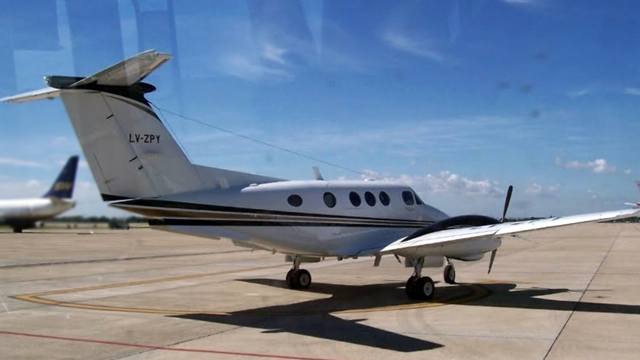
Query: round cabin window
(294, 200)
(355, 199)
(329, 199)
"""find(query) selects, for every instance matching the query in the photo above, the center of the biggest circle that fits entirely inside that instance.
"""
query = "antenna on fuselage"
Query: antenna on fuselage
(316, 173)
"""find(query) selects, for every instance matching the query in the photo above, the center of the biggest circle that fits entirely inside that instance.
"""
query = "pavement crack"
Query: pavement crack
(577, 303)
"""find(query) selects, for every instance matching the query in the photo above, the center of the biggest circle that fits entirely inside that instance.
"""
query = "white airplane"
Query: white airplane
(22, 214)
(139, 167)
(636, 204)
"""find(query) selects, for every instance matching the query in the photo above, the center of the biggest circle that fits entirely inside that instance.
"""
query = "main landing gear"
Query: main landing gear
(420, 287)
(298, 278)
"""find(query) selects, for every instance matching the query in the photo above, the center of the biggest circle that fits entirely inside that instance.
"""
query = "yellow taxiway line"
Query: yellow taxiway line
(477, 292)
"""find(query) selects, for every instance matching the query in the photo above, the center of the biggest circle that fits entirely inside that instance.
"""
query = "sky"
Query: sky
(458, 99)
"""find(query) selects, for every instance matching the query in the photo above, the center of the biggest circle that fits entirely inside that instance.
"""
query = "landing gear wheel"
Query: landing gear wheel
(303, 279)
(290, 280)
(298, 279)
(449, 274)
(424, 288)
(408, 288)
(420, 289)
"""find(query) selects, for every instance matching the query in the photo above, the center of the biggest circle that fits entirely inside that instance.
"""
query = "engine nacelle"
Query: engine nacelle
(472, 257)
(454, 222)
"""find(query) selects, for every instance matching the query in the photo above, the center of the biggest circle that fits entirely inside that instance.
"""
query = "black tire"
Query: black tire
(17, 230)
(302, 279)
(424, 288)
(449, 274)
(409, 287)
(290, 279)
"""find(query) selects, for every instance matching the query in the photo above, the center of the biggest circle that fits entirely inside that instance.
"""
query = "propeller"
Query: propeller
(493, 256)
(507, 200)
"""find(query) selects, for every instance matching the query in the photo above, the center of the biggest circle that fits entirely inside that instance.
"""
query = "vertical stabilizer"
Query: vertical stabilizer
(62, 188)
(129, 150)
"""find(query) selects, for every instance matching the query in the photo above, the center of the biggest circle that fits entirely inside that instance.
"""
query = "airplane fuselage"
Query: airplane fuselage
(28, 211)
(323, 218)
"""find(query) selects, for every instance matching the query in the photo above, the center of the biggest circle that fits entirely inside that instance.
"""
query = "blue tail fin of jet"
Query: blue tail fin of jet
(62, 188)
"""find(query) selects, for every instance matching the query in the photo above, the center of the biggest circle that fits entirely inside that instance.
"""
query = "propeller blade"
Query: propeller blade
(507, 200)
(493, 257)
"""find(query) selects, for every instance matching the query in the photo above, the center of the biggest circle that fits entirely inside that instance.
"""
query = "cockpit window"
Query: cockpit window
(384, 198)
(329, 199)
(407, 197)
(370, 198)
(355, 199)
(294, 200)
(418, 200)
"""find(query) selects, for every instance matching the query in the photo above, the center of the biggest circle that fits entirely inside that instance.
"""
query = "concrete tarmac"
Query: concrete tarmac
(568, 293)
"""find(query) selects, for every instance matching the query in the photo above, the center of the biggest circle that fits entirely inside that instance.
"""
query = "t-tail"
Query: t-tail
(62, 188)
(130, 152)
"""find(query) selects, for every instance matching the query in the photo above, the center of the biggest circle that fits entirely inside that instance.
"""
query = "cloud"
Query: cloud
(538, 190)
(632, 91)
(21, 163)
(422, 49)
(598, 166)
(33, 184)
(578, 93)
(444, 182)
(412, 138)
(627, 171)
(60, 140)
(519, 2)
(274, 54)
(244, 68)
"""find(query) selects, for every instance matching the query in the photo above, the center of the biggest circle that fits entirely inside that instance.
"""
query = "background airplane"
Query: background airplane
(23, 214)
(636, 204)
(138, 166)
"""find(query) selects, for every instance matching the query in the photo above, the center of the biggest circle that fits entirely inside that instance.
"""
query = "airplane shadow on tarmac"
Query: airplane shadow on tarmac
(318, 318)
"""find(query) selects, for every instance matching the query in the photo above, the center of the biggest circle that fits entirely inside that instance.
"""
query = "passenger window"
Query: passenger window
(370, 198)
(418, 200)
(294, 200)
(407, 197)
(384, 198)
(355, 198)
(329, 199)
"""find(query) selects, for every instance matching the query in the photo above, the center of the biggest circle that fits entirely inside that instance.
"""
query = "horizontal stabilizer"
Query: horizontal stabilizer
(124, 73)
(127, 72)
(46, 93)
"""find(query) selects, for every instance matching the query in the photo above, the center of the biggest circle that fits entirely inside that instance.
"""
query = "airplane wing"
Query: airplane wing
(424, 245)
